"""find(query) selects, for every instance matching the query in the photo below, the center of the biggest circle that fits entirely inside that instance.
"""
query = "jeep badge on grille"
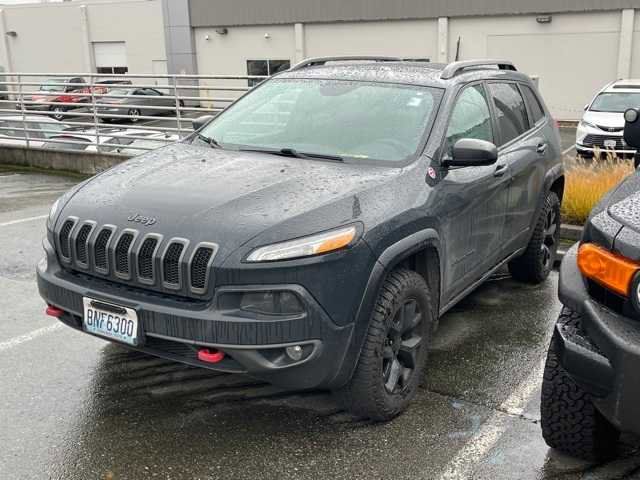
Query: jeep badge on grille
(137, 218)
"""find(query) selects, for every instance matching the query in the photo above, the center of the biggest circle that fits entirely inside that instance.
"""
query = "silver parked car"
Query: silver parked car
(602, 124)
(134, 103)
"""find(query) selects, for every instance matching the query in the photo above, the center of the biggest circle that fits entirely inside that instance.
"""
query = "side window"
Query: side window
(471, 117)
(511, 111)
(534, 103)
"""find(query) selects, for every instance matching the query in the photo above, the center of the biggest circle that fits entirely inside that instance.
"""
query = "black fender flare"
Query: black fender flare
(386, 262)
(550, 178)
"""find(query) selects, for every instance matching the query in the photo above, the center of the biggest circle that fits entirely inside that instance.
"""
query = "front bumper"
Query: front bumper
(175, 328)
(602, 353)
(590, 151)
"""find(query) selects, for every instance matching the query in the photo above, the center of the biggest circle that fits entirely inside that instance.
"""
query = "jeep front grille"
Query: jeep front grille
(136, 258)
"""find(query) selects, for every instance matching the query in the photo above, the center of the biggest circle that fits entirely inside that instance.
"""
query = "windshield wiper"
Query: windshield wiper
(290, 152)
(212, 142)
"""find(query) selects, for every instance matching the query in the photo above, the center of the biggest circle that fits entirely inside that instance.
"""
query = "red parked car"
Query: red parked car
(62, 90)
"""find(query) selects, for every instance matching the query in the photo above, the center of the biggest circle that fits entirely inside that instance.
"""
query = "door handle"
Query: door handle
(500, 170)
(541, 148)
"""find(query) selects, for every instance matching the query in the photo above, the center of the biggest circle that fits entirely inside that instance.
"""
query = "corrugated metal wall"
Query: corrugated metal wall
(266, 12)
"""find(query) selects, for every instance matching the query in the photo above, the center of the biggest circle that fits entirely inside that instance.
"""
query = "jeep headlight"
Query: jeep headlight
(306, 246)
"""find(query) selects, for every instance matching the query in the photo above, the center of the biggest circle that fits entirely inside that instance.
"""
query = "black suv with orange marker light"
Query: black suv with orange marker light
(312, 234)
(591, 386)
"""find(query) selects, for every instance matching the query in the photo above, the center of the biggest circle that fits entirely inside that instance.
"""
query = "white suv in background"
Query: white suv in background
(602, 124)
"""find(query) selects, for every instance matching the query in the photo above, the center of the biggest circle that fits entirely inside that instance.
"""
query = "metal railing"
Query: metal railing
(122, 114)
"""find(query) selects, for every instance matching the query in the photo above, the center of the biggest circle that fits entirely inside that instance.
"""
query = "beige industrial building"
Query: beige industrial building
(573, 46)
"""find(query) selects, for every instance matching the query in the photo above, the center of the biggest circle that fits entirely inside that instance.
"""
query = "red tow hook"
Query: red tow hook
(210, 356)
(54, 311)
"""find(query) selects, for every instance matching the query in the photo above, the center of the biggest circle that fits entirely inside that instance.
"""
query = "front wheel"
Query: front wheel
(57, 112)
(394, 354)
(536, 263)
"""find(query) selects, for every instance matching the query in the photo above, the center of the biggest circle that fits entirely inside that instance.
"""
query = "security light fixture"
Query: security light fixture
(544, 19)
(12, 33)
(222, 31)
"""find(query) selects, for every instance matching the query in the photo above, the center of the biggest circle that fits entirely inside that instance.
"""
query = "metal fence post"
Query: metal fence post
(22, 110)
(95, 112)
(175, 95)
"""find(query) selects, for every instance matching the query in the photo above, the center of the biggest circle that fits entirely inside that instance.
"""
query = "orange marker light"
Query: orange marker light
(336, 242)
(610, 270)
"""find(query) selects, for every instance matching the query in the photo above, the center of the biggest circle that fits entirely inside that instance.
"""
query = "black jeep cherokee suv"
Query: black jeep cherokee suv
(591, 386)
(313, 233)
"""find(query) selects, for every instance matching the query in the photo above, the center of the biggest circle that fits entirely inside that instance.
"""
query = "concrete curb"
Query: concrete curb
(63, 160)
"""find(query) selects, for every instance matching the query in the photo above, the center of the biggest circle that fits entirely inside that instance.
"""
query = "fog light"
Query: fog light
(294, 353)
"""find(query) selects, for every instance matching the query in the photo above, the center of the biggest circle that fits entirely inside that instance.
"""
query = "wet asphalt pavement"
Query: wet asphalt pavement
(76, 407)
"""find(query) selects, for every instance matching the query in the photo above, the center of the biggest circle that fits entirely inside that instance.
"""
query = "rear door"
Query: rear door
(474, 208)
(524, 148)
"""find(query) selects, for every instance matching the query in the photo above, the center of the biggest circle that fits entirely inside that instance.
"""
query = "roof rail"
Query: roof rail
(312, 62)
(455, 68)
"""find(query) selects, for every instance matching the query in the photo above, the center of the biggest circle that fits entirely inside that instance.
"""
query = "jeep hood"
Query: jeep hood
(226, 197)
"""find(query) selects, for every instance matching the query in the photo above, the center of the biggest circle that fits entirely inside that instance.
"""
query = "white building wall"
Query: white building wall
(405, 38)
(574, 55)
(53, 38)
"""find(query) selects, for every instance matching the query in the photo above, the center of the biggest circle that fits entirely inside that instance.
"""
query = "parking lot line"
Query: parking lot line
(15, 341)
(461, 466)
(23, 220)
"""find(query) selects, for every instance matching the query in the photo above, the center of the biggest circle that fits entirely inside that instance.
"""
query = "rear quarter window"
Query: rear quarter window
(537, 112)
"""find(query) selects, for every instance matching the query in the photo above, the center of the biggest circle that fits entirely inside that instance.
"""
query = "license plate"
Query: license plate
(111, 321)
(610, 144)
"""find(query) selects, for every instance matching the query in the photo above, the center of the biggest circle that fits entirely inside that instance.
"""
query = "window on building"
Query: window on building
(471, 117)
(510, 110)
(535, 107)
(112, 70)
(265, 68)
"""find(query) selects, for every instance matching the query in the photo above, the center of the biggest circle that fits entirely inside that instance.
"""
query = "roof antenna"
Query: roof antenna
(458, 48)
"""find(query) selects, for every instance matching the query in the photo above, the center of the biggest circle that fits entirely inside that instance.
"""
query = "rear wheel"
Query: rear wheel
(536, 263)
(570, 422)
(134, 115)
(394, 354)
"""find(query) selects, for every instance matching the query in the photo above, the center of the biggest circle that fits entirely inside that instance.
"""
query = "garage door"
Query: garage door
(110, 57)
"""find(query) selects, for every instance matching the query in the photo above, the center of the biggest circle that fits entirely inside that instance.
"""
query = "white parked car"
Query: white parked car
(602, 124)
(111, 140)
(13, 129)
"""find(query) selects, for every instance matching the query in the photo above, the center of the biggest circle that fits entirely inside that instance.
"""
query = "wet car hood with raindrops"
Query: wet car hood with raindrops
(615, 222)
(230, 197)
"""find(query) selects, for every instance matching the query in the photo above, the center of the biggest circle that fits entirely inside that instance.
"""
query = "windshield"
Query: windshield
(615, 102)
(48, 87)
(352, 120)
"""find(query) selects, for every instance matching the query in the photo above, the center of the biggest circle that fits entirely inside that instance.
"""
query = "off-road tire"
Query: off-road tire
(570, 422)
(535, 264)
(366, 395)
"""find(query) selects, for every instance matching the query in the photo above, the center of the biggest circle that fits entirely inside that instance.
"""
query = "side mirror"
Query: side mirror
(200, 122)
(470, 152)
(632, 127)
